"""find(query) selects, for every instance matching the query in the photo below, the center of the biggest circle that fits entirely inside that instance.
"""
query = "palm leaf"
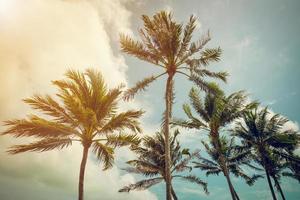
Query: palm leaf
(38, 127)
(42, 145)
(122, 140)
(104, 154)
(123, 120)
(195, 179)
(141, 185)
(139, 86)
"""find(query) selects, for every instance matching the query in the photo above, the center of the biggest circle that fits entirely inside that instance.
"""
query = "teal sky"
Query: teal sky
(260, 43)
(39, 40)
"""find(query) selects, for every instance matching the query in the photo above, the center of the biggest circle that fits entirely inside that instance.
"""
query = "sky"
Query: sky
(40, 39)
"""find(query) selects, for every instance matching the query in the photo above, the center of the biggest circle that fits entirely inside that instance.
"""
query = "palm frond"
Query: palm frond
(122, 140)
(187, 36)
(123, 120)
(217, 75)
(41, 146)
(142, 185)
(49, 106)
(137, 49)
(139, 86)
(195, 179)
(104, 154)
(38, 127)
(203, 85)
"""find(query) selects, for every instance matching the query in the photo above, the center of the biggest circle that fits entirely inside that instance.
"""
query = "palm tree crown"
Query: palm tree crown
(234, 158)
(166, 44)
(215, 112)
(265, 135)
(151, 163)
(87, 114)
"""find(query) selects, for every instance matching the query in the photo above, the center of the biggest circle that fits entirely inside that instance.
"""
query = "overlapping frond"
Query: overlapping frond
(122, 140)
(124, 120)
(49, 106)
(104, 153)
(38, 127)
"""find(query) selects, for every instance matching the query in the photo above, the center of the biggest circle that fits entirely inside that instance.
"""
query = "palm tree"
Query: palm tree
(215, 113)
(263, 133)
(151, 163)
(167, 45)
(233, 159)
(87, 114)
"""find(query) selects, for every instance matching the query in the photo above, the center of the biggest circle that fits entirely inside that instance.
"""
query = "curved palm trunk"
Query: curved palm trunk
(279, 188)
(270, 185)
(168, 102)
(81, 174)
(173, 193)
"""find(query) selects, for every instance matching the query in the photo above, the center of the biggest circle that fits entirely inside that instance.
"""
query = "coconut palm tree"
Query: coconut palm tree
(167, 45)
(87, 113)
(150, 163)
(234, 158)
(264, 134)
(214, 113)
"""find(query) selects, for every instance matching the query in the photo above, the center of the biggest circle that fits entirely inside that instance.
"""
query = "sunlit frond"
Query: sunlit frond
(49, 106)
(42, 145)
(38, 127)
(121, 121)
(122, 140)
(104, 154)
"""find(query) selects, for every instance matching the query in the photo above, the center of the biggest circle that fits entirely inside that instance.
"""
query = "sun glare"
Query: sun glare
(5, 6)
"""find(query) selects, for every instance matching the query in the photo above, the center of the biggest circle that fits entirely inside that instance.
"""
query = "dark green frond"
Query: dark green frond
(141, 185)
(195, 179)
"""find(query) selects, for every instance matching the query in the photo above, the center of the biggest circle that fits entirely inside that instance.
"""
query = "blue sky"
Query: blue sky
(39, 40)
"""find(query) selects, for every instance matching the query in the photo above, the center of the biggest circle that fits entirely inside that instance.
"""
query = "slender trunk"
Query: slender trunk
(173, 193)
(279, 188)
(81, 174)
(216, 142)
(168, 101)
(270, 185)
(232, 191)
(236, 195)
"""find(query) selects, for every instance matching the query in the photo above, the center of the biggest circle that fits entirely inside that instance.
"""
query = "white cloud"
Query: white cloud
(39, 40)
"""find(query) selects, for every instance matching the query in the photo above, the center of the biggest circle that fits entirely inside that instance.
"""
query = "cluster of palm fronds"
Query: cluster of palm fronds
(86, 111)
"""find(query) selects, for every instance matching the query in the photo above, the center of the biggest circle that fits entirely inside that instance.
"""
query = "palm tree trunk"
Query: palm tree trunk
(173, 193)
(236, 195)
(279, 188)
(270, 185)
(168, 102)
(216, 142)
(231, 189)
(81, 174)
